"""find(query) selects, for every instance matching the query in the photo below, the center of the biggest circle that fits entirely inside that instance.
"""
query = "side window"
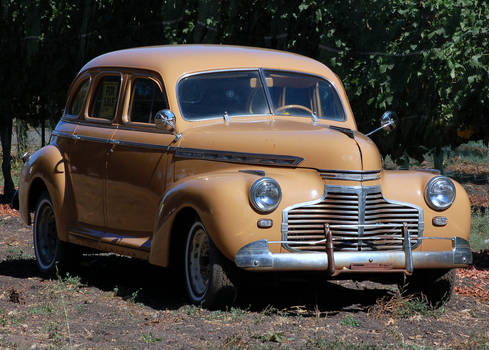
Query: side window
(78, 99)
(104, 101)
(146, 100)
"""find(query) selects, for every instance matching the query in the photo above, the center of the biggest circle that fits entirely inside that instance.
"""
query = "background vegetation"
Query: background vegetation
(428, 60)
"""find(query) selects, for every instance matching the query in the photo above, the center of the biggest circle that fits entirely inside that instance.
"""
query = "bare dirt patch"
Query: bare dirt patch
(110, 302)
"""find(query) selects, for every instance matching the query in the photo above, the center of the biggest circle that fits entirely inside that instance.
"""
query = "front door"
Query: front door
(137, 163)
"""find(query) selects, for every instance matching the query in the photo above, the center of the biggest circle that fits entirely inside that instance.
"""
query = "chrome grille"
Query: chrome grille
(374, 222)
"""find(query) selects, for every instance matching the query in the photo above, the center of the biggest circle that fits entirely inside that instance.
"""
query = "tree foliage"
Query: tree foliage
(427, 60)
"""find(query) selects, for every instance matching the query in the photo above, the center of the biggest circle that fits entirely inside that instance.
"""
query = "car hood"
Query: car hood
(316, 146)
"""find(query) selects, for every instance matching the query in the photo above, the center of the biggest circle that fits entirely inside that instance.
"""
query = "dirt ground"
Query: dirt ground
(114, 302)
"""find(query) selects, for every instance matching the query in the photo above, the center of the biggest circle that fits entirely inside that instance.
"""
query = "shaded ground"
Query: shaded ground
(117, 302)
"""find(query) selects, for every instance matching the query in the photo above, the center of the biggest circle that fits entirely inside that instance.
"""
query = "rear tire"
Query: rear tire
(435, 286)
(207, 271)
(49, 250)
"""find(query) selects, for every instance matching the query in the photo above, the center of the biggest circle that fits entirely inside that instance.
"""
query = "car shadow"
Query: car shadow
(138, 281)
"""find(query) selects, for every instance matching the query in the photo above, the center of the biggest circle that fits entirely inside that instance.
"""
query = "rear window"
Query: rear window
(106, 97)
(78, 101)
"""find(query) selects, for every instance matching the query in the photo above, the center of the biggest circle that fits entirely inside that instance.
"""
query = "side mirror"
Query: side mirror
(165, 119)
(387, 121)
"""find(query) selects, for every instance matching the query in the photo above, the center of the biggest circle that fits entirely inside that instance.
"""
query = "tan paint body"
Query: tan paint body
(118, 186)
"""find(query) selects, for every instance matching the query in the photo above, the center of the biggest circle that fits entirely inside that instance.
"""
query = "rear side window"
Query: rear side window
(146, 100)
(78, 99)
(104, 103)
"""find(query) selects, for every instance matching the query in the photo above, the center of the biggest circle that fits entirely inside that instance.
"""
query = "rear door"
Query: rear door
(88, 156)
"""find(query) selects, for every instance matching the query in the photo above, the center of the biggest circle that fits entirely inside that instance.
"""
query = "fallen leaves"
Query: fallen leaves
(474, 282)
(5, 209)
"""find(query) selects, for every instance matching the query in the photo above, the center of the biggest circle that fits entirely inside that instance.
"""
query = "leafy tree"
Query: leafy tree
(428, 60)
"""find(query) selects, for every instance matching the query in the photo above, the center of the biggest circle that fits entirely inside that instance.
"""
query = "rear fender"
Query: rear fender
(45, 170)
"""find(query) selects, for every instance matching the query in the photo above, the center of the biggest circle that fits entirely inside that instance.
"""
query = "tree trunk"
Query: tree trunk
(6, 139)
(43, 131)
(438, 156)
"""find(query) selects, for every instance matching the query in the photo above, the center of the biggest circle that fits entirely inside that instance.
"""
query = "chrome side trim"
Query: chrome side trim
(63, 134)
(201, 154)
(237, 157)
(79, 137)
(139, 145)
(257, 256)
(109, 238)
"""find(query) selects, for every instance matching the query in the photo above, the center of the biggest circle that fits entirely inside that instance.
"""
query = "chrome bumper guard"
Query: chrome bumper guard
(256, 256)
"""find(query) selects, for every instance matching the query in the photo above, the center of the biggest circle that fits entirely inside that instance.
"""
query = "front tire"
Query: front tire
(207, 271)
(48, 248)
(435, 286)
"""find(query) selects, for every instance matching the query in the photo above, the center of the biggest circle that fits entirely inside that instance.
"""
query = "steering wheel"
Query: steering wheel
(304, 108)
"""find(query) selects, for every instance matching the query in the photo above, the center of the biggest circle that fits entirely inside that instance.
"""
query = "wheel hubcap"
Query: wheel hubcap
(46, 235)
(198, 262)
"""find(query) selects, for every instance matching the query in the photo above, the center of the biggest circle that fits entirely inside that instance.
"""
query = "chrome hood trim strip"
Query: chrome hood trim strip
(237, 157)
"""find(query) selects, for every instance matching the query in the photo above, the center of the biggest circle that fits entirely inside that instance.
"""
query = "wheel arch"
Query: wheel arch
(45, 172)
(181, 224)
(196, 197)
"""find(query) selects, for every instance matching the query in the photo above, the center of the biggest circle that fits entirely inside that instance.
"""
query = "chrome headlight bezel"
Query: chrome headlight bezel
(429, 193)
(260, 205)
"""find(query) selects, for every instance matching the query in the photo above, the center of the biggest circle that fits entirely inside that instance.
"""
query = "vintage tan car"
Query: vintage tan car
(212, 159)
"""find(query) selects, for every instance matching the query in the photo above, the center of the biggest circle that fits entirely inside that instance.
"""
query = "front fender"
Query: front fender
(221, 201)
(46, 165)
(409, 186)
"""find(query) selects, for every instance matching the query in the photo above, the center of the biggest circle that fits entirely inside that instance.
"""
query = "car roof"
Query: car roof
(174, 61)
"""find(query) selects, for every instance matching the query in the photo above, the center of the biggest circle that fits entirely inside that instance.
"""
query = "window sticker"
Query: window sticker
(110, 90)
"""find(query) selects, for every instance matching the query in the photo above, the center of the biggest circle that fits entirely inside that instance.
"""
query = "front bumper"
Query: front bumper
(256, 256)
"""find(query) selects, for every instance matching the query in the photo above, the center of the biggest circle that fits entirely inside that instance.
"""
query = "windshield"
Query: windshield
(241, 93)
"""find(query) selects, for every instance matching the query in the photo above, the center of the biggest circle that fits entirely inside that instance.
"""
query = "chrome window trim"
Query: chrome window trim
(211, 72)
(150, 128)
(261, 71)
(82, 78)
(133, 76)
(362, 192)
(268, 96)
(97, 78)
(322, 78)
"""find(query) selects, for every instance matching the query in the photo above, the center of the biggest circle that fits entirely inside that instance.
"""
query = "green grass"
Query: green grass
(350, 321)
(150, 338)
(479, 232)
(474, 152)
(270, 337)
(337, 344)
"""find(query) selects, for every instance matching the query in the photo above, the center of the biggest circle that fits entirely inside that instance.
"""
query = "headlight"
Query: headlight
(265, 194)
(440, 193)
